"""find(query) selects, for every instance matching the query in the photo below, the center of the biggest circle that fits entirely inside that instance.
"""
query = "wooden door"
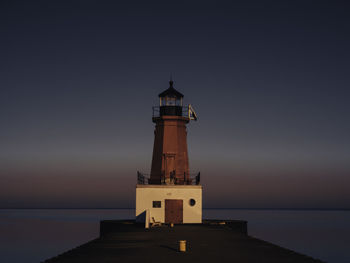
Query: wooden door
(173, 211)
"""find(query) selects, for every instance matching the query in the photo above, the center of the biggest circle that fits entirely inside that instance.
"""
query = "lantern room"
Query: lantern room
(170, 102)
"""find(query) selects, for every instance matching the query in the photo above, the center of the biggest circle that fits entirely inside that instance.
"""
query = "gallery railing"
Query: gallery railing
(141, 178)
(158, 111)
(192, 179)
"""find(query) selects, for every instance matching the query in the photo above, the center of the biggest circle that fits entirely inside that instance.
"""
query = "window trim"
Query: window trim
(156, 204)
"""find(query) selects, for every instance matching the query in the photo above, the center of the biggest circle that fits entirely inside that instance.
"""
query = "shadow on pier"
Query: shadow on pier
(212, 241)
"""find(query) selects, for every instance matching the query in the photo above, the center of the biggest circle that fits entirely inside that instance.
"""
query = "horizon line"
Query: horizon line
(208, 208)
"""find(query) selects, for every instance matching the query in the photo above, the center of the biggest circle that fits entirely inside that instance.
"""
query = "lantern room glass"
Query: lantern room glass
(170, 101)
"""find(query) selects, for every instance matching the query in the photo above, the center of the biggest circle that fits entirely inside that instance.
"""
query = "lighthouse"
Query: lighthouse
(170, 193)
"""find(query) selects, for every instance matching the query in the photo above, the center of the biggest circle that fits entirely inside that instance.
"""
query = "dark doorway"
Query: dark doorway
(173, 211)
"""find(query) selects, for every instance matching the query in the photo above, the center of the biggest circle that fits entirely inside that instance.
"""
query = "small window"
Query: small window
(157, 204)
(192, 202)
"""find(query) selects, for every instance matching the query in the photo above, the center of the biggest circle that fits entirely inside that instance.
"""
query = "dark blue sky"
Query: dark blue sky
(268, 79)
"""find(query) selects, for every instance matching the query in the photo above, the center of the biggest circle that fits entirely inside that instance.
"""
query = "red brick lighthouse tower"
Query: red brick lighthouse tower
(170, 156)
(171, 194)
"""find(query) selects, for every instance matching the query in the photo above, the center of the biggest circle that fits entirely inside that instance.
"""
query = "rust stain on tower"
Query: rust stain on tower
(170, 156)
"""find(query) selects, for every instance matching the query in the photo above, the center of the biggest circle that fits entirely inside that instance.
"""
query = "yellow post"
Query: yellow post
(182, 245)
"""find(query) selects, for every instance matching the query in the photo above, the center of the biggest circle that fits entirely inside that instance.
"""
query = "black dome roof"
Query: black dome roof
(171, 92)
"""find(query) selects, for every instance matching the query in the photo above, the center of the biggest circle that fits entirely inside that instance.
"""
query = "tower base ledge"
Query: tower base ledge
(178, 186)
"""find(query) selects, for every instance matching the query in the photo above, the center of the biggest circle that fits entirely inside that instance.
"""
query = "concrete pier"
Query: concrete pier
(212, 241)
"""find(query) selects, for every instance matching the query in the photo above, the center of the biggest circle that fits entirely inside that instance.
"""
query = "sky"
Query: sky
(269, 81)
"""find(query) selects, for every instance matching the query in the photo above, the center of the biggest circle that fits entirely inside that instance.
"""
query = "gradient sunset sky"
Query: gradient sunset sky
(269, 80)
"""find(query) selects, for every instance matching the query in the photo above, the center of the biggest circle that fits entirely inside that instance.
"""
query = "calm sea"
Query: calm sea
(32, 235)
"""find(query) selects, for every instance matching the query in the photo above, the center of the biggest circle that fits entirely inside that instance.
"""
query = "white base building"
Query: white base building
(178, 204)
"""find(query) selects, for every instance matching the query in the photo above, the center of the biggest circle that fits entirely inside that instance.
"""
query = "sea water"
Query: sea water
(33, 235)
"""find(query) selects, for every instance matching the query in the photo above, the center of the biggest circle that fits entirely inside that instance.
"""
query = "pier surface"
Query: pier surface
(212, 241)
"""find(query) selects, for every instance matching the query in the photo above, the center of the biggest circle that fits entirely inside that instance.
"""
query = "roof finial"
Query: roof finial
(171, 82)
